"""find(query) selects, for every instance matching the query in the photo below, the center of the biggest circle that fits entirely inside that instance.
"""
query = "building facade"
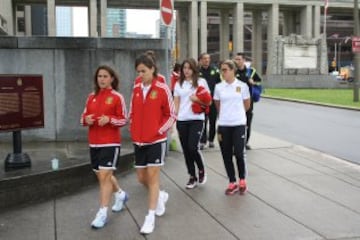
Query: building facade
(64, 21)
(218, 27)
(116, 22)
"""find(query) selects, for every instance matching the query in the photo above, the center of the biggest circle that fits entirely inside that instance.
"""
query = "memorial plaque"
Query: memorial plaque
(300, 57)
(21, 102)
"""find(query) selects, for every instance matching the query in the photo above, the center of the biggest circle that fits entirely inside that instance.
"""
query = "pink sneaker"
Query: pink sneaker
(242, 186)
(231, 189)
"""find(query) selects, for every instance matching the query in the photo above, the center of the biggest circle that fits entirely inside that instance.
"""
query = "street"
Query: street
(329, 130)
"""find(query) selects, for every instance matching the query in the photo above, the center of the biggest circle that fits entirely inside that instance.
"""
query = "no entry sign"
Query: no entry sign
(167, 11)
(355, 44)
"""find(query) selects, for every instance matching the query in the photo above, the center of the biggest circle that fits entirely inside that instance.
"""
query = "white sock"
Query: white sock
(103, 210)
(151, 213)
(120, 194)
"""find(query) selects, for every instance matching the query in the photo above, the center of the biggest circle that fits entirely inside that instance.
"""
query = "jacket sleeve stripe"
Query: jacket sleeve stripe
(167, 125)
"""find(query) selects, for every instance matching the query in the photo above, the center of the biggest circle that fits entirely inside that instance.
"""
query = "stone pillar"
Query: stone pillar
(306, 21)
(238, 28)
(193, 30)
(224, 34)
(203, 27)
(103, 13)
(28, 28)
(182, 34)
(51, 18)
(92, 11)
(317, 25)
(272, 33)
(256, 41)
(289, 23)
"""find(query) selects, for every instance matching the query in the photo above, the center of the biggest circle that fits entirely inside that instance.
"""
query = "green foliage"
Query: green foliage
(341, 97)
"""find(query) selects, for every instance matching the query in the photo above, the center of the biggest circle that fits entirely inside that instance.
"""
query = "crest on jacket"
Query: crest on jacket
(109, 100)
(153, 94)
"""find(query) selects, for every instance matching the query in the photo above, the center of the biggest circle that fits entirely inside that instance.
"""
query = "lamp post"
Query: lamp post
(356, 55)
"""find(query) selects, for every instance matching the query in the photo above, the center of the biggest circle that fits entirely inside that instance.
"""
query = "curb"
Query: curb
(51, 184)
(311, 102)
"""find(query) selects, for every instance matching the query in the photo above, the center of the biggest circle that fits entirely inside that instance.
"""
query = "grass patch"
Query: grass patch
(342, 97)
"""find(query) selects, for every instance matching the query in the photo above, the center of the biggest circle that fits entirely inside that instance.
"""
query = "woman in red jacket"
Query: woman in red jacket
(152, 113)
(104, 114)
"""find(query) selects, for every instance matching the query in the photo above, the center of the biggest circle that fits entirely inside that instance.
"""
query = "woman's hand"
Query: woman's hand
(103, 120)
(194, 98)
(89, 119)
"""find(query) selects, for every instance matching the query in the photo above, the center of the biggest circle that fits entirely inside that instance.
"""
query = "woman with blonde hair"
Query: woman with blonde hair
(232, 100)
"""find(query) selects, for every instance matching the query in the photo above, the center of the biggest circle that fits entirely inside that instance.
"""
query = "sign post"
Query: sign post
(167, 14)
(21, 107)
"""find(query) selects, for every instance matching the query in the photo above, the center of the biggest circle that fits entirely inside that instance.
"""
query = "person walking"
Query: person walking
(175, 75)
(212, 77)
(232, 100)
(249, 76)
(151, 115)
(104, 114)
(151, 54)
(191, 98)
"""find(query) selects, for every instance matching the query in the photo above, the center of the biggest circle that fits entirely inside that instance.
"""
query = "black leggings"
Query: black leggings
(249, 117)
(189, 134)
(232, 140)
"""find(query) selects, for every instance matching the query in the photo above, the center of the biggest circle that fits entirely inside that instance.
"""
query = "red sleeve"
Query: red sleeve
(173, 81)
(119, 119)
(168, 110)
(85, 112)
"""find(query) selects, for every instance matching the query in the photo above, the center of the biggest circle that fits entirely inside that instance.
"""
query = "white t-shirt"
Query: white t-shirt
(231, 96)
(145, 89)
(184, 92)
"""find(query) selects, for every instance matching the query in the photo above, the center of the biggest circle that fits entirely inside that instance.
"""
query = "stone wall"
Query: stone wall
(303, 81)
(68, 66)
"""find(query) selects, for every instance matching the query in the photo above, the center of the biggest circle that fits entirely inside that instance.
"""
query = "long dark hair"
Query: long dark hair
(113, 74)
(148, 62)
(193, 66)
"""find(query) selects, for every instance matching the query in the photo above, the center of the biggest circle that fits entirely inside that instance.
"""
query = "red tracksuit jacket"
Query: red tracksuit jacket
(152, 117)
(110, 103)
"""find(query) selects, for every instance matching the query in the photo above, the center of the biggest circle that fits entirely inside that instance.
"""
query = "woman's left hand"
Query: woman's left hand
(194, 98)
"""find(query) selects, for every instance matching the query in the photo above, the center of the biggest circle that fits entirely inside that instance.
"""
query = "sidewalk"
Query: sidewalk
(294, 193)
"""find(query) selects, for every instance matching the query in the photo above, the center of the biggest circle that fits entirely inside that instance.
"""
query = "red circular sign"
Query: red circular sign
(167, 11)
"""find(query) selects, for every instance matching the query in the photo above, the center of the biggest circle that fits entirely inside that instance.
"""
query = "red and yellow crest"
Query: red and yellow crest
(153, 94)
(109, 100)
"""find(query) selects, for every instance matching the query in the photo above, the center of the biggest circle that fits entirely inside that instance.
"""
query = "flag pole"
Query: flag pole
(325, 58)
(356, 55)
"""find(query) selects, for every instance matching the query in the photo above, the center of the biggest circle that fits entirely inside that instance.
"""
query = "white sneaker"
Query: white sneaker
(160, 208)
(100, 220)
(149, 225)
(120, 200)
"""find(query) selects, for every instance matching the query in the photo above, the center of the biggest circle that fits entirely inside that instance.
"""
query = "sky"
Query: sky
(140, 21)
(80, 21)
